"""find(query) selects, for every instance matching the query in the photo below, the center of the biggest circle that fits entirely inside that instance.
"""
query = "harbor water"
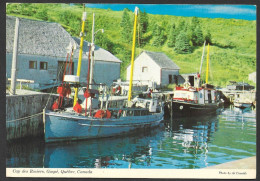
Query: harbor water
(183, 143)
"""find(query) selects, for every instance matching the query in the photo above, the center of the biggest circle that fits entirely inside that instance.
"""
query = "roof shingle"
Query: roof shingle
(162, 60)
(48, 39)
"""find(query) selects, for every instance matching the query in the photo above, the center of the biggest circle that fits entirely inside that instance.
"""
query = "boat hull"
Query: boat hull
(65, 127)
(184, 109)
(242, 105)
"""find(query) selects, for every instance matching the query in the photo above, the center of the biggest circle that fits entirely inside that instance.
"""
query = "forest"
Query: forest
(232, 41)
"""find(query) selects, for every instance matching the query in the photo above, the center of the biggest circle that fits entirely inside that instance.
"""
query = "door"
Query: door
(191, 80)
(170, 79)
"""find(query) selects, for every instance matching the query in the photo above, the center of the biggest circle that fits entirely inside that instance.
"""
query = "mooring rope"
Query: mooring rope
(25, 118)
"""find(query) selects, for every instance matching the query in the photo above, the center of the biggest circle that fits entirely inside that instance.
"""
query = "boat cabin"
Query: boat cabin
(201, 95)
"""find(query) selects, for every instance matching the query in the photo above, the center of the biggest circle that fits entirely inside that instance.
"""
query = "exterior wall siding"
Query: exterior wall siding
(165, 76)
(104, 72)
(153, 70)
(23, 71)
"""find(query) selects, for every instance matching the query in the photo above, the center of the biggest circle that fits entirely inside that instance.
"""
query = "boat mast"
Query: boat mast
(207, 73)
(132, 58)
(202, 58)
(84, 17)
(92, 52)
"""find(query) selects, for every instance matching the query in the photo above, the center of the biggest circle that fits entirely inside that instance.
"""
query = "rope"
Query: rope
(70, 63)
(25, 118)
(53, 88)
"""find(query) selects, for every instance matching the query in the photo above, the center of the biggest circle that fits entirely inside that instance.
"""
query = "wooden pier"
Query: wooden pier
(231, 95)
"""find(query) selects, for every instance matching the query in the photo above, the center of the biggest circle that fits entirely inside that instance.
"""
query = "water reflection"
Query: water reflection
(97, 153)
(191, 137)
(179, 143)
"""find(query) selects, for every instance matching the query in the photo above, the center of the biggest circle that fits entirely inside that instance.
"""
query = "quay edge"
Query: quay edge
(245, 163)
(23, 114)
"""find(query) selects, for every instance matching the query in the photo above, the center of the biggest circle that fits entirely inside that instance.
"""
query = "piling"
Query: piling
(14, 60)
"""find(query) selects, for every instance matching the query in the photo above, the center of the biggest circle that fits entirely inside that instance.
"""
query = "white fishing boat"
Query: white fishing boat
(242, 104)
(242, 101)
(75, 123)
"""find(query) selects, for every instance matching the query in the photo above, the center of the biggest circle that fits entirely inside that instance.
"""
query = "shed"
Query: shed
(42, 52)
(154, 67)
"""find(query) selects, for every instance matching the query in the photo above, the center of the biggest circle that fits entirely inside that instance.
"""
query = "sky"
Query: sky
(246, 12)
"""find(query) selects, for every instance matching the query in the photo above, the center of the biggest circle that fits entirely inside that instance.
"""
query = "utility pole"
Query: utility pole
(14, 60)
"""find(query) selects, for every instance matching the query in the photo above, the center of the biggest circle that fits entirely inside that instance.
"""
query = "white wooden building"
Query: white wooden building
(42, 54)
(154, 67)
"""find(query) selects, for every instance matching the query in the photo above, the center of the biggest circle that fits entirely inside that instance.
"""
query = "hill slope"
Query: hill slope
(232, 53)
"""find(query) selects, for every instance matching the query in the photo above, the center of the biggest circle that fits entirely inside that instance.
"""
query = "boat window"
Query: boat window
(209, 98)
(130, 113)
(137, 113)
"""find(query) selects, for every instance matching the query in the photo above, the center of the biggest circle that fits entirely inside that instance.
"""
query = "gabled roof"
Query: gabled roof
(99, 53)
(48, 39)
(162, 60)
(38, 37)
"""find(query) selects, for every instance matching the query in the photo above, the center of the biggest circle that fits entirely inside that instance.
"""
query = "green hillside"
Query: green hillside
(232, 49)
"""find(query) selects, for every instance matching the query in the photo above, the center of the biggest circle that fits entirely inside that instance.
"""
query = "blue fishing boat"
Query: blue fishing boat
(68, 125)
(72, 124)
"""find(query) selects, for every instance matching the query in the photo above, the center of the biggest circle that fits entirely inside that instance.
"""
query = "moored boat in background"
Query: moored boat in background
(194, 99)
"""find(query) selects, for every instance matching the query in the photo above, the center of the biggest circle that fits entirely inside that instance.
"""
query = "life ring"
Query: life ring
(186, 85)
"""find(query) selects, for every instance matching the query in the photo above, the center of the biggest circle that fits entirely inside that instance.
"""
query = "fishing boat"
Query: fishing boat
(243, 101)
(103, 121)
(194, 99)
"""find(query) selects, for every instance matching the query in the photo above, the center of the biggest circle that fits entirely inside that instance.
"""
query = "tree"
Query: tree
(195, 22)
(126, 26)
(172, 36)
(197, 38)
(159, 36)
(182, 45)
(207, 37)
(181, 27)
(102, 41)
(142, 28)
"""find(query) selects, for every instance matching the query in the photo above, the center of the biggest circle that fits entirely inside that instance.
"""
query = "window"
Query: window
(144, 69)
(43, 65)
(32, 65)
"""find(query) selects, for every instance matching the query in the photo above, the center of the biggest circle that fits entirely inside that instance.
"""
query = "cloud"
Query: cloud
(228, 9)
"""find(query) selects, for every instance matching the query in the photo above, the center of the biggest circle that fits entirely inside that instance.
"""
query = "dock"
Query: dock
(245, 163)
(231, 95)
(24, 113)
